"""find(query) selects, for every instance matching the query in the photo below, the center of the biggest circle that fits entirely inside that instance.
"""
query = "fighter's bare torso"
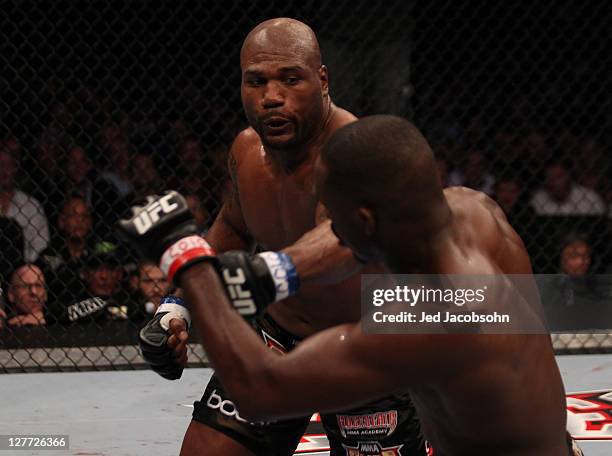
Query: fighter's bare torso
(278, 208)
(513, 379)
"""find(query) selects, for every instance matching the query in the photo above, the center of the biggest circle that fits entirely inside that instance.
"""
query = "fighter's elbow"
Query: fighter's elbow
(252, 405)
(255, 398)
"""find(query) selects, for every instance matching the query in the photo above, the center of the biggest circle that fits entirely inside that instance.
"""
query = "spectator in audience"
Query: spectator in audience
(78, 171)
(83, 180)
(118, 175)
(573, 296)
(44, 170)
(23, 209)
(561, 196)
(117, 152)
(99, 296)
(591, 166)
(149, 285)
(473, 174)
(198, 173)
(27, 295)
(535, 147)
(509, 195)
(145, 176)
(575, 258)
(12, 145)
(11, 253)
(200, 213)
(74, 229)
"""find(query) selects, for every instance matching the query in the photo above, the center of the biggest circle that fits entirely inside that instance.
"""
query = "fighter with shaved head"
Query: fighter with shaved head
(476, 394)
(286, 99)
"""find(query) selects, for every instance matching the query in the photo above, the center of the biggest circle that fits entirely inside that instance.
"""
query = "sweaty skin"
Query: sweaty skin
(275, 209)
(273, 203)
(285, 96)
(475, 394)
(457, 392)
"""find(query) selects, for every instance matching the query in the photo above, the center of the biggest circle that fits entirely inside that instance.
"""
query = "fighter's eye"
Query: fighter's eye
(292, 80)
(256, 82)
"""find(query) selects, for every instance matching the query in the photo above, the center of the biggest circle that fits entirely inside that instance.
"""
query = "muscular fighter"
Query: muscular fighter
(474, 393)
(287, 103)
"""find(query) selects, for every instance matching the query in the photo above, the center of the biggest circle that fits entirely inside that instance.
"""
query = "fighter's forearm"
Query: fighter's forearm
(320, 258)
(283, 384)
(234, 350)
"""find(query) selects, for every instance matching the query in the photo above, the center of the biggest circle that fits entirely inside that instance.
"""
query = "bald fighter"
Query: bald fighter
(475, 394)
(291, 115)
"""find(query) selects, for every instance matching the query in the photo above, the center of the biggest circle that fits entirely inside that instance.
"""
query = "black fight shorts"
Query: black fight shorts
(387, 427)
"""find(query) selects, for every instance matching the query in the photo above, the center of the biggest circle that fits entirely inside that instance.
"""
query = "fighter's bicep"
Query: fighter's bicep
(229, 230)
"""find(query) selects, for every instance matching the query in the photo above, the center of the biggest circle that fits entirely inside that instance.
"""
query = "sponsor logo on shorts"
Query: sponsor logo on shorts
(375, 425)
(225, 406)
(313, 444)
(372, 449)
(589, 415)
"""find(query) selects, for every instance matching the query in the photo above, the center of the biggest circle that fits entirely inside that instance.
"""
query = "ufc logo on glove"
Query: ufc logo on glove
(150, 214)
(241, 298)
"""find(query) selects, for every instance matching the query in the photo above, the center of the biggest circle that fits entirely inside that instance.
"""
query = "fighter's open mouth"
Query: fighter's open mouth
(276, 122)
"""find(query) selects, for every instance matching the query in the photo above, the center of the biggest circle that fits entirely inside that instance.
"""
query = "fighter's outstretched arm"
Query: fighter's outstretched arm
(334, 369)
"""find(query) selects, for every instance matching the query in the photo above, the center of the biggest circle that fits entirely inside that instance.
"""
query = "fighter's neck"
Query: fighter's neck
(289, 160)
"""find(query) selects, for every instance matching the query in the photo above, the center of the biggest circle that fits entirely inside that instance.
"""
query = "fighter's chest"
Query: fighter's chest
(277, 210)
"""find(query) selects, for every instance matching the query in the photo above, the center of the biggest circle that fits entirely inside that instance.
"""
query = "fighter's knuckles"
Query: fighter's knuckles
(172, 341)
(177, 325)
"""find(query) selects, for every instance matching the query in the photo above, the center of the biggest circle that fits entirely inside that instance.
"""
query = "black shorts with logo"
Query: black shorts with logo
(387, 427)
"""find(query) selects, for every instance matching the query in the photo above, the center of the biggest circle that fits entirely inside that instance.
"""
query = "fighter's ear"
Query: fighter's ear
(324, 78)
(368, 220)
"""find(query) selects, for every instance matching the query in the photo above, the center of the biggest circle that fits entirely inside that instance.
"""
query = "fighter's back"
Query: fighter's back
(507, 392)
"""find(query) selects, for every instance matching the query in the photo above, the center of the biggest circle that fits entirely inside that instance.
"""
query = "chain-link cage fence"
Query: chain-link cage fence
(106, 102)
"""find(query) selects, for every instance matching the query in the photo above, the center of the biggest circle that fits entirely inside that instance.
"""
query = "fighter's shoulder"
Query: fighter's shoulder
(342, 117)
(246, 141)
(485, 220)
(466, 200)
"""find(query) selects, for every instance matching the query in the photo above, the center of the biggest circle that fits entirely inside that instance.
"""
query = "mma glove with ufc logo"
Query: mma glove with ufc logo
(163, 229)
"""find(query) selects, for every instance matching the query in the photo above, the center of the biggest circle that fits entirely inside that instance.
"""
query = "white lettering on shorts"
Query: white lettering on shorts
(225, 406)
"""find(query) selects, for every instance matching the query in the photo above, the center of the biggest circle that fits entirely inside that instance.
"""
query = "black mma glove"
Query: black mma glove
(254, 282)
(153, 338)
(164, 231)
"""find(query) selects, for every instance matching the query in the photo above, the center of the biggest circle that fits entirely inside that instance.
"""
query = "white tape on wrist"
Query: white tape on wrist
(174, 311)
(283, 272)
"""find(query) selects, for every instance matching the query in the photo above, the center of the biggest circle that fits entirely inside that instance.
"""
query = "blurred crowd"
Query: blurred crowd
(60, 197)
